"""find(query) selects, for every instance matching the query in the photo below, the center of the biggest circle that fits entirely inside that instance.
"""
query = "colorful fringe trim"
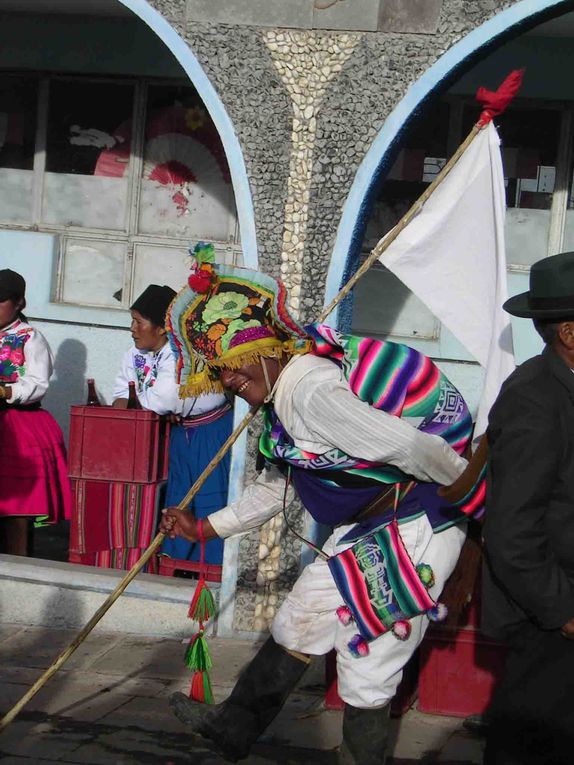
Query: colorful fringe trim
(201, 610)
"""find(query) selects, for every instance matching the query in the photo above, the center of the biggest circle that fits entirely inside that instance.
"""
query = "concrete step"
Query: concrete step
(65, 596)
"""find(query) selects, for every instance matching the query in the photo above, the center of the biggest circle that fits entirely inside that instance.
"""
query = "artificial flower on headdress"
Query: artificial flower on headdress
(227, 316)
(201, 276)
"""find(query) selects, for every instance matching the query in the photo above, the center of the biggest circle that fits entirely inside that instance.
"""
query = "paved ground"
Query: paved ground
(109, 705)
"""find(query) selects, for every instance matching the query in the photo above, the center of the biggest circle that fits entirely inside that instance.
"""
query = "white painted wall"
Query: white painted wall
(86, 342)
(81, 352)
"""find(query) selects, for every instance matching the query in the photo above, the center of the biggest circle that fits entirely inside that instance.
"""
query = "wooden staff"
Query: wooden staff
(132, 573)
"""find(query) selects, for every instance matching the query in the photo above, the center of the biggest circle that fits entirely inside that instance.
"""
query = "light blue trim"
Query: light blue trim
(369, 168)
(233, 153)
(246, 216)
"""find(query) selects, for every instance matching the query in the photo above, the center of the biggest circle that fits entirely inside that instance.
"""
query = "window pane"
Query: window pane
(529, 138)
(87, 157)
(18, 98)
(568, 243)
(186, 188)
(93, 272)
(159, 265)
(526, 235)
(421, 158)
(384, 306)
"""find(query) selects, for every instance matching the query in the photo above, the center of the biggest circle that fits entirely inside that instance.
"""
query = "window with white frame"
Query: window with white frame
(537, 142)
(127, 172)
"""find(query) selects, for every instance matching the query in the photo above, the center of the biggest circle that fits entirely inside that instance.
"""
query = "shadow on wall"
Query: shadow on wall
(68, 383)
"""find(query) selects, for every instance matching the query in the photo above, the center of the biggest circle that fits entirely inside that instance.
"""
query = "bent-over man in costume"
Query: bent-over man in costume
(528, 593)
(345, 419)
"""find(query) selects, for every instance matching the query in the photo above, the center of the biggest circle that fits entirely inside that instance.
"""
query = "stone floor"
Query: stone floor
(108, 704)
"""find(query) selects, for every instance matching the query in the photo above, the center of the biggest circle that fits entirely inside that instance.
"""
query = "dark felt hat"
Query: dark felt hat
(12, 285)
(154, 302)
(551, 293)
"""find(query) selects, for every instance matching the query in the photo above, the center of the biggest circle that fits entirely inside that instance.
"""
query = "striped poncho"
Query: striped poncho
(391, 377)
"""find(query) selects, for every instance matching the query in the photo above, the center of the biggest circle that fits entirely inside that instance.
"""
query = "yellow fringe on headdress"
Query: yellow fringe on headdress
(207, 381)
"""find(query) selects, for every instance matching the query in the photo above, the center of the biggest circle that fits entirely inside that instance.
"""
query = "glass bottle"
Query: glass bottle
(92, 399)
(133, 401)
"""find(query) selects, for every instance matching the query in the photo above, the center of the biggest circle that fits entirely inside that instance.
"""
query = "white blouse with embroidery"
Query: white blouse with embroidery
(26, 362)
(156, 387)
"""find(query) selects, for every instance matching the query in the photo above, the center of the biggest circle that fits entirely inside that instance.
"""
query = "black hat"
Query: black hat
(12, 285)
(154, 302)
(551, 293)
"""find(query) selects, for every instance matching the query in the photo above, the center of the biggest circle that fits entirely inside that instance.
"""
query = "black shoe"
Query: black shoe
(477, 724)
(256, 699)
(365, 736)
(230, 730)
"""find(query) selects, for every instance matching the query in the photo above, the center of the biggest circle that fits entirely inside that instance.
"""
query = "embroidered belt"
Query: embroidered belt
(204, 419)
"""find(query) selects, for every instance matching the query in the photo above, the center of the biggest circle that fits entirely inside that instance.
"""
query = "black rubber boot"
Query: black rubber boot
(259, 694)
(365, 736)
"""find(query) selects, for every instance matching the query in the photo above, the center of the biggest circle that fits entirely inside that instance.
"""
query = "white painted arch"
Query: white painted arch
(523, 14)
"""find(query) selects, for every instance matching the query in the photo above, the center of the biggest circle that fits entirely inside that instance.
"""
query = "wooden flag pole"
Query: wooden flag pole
(495, 104)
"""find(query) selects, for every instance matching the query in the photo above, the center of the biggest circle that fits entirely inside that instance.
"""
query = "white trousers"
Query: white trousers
(307, 621)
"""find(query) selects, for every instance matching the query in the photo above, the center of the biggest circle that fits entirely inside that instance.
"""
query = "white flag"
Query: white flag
(451, 255)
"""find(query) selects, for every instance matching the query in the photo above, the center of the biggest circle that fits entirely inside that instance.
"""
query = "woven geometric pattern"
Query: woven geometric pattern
(379, 582)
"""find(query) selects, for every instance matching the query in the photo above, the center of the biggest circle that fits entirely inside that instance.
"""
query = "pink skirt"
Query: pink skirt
(33, 468)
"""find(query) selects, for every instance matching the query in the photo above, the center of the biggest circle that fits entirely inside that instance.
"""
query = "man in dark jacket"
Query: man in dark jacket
(529, 533)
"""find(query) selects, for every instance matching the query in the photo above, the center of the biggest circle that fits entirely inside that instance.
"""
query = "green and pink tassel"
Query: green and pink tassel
(201, 610)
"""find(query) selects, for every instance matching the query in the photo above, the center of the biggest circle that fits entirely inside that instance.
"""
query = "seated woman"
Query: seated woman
(33, 470)
(200, 424)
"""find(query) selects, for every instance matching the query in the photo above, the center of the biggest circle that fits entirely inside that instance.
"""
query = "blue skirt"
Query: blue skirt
(190, 451)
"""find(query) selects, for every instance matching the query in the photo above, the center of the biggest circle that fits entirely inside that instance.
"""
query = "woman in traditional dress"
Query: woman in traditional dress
(33, 470)
(200, 425)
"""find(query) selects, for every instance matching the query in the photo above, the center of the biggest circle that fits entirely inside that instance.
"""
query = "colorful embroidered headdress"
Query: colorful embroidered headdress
(227, 316)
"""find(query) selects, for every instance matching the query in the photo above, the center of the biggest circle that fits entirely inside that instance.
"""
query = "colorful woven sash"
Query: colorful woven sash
(379, 582)
(195, 421)
(389, 376)
(113, 516)
(381, 587)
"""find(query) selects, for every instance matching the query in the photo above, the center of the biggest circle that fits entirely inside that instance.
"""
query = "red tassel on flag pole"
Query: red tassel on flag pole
(495, 102)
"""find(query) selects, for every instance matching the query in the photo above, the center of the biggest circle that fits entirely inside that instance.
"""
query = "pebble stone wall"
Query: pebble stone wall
(306, 62)
(306, 106)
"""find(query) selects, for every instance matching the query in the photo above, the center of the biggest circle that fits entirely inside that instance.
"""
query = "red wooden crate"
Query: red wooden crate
(117, 444)
(459, 670)
(168, 567)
